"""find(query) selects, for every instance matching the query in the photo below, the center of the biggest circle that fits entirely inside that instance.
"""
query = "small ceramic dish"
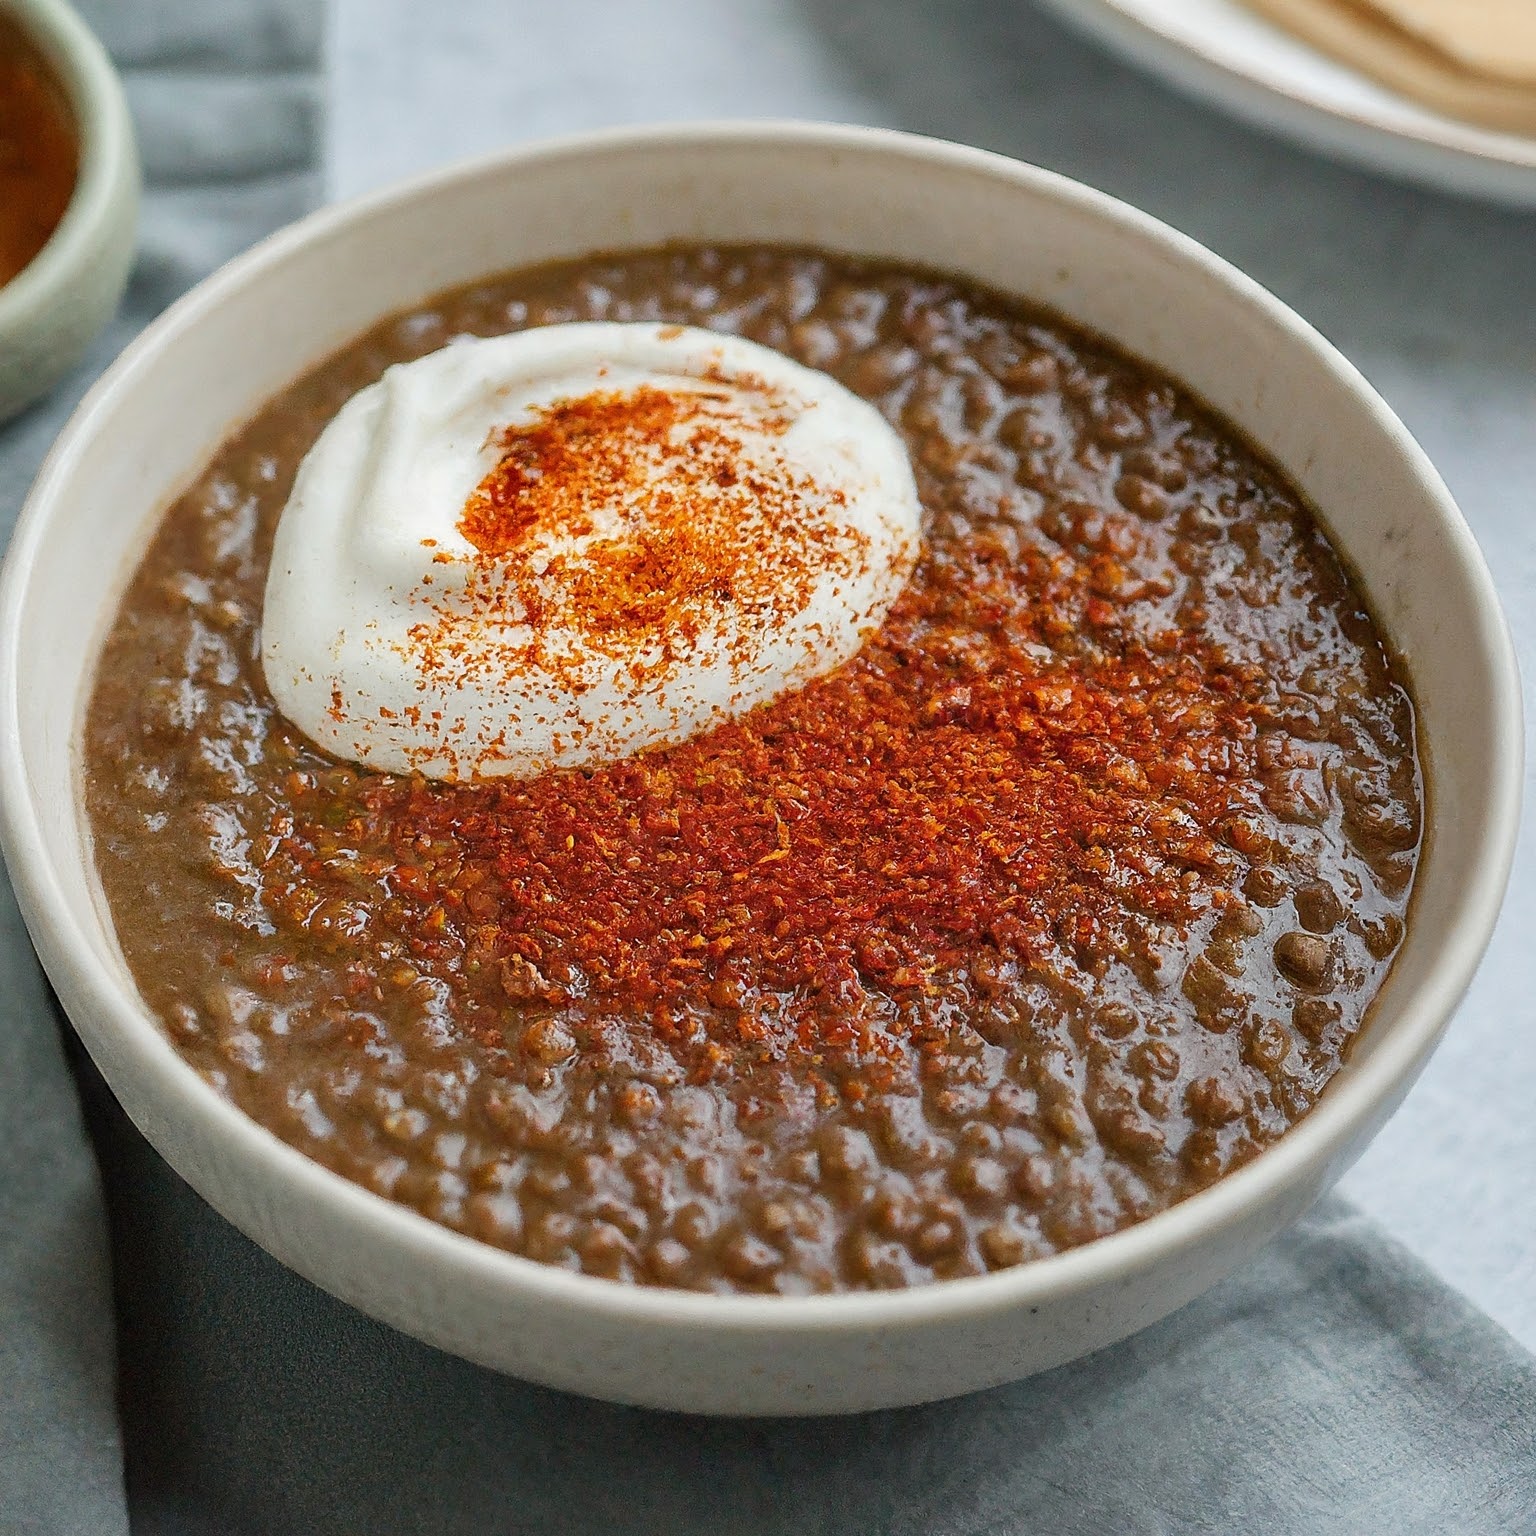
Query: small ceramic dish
(152, 422)
(52, 310)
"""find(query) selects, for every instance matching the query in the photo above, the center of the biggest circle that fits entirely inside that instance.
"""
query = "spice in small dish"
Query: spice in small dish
(38, 152)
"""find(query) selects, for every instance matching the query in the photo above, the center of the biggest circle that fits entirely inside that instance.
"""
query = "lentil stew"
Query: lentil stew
(1064, 898)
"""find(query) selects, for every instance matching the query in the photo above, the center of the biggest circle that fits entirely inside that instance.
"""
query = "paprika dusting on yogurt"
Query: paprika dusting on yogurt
(38, 153)
(697, 527)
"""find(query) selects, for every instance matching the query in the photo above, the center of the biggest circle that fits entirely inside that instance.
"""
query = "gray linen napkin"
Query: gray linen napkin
(225, 94)
(1334, 1386)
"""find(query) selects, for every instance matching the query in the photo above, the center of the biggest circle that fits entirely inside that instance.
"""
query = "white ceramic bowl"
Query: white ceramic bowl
(243, 334)
(53, 308)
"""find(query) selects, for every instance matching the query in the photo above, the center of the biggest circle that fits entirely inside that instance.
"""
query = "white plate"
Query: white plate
(1221, 51)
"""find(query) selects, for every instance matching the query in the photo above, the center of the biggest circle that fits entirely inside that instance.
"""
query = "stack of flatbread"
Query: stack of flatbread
(1472, 59)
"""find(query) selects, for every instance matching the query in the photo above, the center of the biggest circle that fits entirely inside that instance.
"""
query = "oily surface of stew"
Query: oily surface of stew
(1061, 900)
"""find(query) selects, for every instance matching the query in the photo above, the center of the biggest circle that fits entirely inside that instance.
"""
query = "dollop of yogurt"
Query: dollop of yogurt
(567, 545)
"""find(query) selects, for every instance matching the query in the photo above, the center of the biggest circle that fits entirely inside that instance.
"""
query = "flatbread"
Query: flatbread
(1411, 59)
(1492, 38)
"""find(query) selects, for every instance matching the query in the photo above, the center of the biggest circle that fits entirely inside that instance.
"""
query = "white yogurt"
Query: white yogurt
(683, 527)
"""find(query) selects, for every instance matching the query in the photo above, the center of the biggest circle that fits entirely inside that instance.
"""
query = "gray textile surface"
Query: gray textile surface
(228, 156)
(1334, 1386)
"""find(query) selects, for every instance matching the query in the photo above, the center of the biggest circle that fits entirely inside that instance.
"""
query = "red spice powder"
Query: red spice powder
(664, 464)
(956, 792)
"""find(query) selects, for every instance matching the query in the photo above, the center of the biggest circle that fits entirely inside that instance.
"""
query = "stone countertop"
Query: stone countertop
(1433, 297)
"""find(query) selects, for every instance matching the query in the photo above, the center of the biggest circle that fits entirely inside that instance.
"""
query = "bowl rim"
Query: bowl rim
(107, 156)
(1319, 1139)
